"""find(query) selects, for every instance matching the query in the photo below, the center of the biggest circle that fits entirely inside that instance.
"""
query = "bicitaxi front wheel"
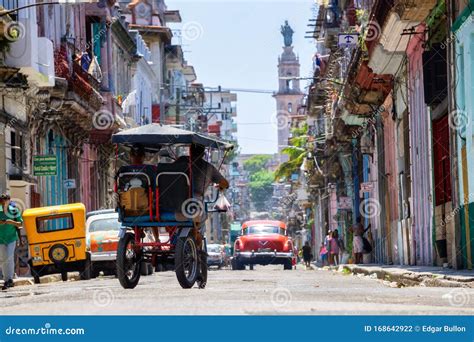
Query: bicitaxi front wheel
(128, 262)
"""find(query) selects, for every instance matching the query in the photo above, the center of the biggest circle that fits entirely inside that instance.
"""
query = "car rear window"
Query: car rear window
(104, 224)
(261, 229)
(213, 249)
(54, 223)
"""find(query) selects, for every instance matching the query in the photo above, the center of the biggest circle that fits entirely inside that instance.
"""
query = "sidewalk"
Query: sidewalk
(413, 275)
(51, 278)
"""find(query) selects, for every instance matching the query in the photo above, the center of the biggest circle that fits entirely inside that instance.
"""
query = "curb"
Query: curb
(51, 278)
(408, 278)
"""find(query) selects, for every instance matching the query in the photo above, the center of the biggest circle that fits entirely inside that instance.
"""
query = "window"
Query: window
(104, 225)
(290, 107)
(214, 249)
(95, 31)
(262, 230)
(11, 4)
(17, 151)
(13, 147)
(52, 223)
(21, 153)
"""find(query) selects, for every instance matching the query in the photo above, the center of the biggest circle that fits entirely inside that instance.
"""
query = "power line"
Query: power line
(243, 90)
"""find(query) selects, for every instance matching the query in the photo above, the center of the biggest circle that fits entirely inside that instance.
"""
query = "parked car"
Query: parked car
(102, 228)
(263, 242)
(215, 255)
(99, 212)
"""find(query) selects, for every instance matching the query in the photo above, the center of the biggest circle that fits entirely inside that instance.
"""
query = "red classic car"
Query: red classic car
(263, 242)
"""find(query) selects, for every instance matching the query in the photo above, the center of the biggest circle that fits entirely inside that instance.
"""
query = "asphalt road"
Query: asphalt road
(265, 290)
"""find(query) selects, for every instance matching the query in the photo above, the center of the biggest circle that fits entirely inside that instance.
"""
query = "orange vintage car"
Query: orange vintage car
(263, 242)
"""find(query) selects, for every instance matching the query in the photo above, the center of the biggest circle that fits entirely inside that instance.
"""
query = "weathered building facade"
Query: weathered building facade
(392, 128)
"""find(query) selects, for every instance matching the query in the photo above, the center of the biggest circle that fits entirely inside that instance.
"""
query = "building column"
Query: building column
(3, 165)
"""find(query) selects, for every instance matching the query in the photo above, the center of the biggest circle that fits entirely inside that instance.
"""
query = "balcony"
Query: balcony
(214, 129)
(414, 10)
(33, 55)
(388, 53)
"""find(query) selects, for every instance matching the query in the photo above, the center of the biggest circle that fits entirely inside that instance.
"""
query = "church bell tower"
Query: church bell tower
(289, 96)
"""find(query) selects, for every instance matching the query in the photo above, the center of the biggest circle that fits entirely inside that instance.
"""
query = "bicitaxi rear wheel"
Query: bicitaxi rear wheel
(128, 262)
(202, 277)
(186, 261)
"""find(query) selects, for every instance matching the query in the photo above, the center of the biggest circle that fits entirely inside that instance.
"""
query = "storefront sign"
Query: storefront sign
(45, 165)
(347, 40)
(367, 187)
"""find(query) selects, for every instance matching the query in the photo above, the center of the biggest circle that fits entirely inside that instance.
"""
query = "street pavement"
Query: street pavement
(267, 290)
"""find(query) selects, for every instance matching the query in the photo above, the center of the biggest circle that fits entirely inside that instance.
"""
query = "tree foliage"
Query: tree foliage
(296, 153)
(260, 180)
(261, 188)
(256, 163)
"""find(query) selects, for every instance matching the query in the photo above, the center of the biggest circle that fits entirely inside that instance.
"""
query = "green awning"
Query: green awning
(436, 14)
(465, 14)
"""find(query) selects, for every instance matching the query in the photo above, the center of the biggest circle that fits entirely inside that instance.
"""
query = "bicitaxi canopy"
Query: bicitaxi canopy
(156, 135)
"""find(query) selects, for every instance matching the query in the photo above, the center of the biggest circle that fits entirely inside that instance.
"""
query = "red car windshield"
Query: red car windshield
(261, 230)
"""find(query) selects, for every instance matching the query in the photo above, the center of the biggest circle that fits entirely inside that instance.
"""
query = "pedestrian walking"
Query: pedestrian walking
(10, 224)
(358, 231)
(307, 254)
(323, 254)
(340, 243)
(334, 250)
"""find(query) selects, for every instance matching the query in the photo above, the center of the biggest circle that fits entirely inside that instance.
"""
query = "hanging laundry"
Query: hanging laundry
(85, 61)
(94, 69)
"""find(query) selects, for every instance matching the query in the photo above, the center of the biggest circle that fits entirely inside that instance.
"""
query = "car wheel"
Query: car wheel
(288, 265)
(251, 267)
(240, 265)
(160, 267)
(146, 268)
(86, 273)
(35, 273)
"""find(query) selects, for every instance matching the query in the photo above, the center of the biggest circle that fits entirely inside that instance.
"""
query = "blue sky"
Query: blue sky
(235, 44)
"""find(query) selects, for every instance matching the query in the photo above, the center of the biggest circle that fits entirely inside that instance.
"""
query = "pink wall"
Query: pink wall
(390, 160)
(391, 174)
(88, 178)
(420, 147)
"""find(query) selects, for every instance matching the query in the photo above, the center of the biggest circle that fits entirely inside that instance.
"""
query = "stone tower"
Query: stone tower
(289, 96)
